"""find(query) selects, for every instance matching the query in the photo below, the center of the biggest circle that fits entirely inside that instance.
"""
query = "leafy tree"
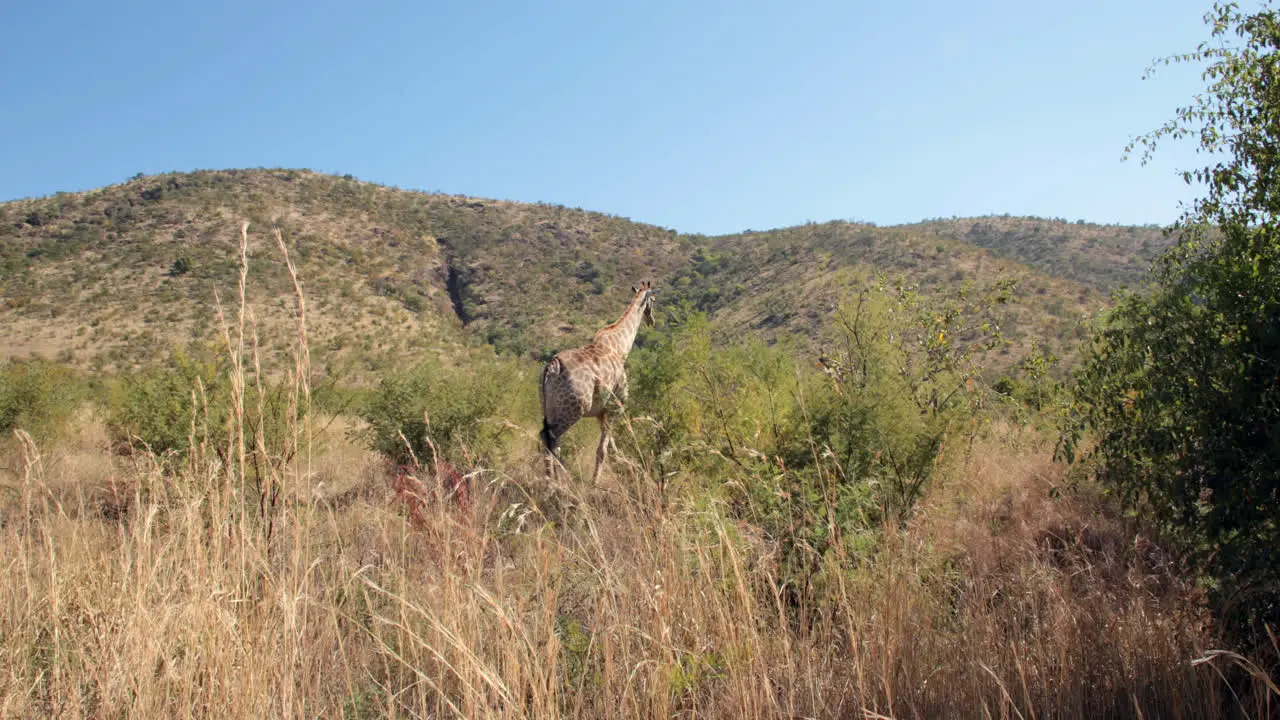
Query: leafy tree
(1181, 385)
(907, 379)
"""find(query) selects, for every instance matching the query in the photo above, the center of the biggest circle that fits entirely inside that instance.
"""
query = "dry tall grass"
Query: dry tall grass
(131, 590)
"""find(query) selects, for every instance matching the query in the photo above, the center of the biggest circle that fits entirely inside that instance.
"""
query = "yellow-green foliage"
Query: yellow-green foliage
(188, 402)
(463, 410)
(819, 460)
(160, 406)
(37, 396)
(905, 380)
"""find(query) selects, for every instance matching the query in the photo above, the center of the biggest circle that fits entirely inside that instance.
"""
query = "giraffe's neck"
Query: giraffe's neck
(620, 336)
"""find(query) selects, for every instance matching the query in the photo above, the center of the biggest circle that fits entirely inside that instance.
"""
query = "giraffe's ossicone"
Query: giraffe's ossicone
(591, 381)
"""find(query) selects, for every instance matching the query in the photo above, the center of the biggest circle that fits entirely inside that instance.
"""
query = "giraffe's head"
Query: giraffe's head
(646, 293)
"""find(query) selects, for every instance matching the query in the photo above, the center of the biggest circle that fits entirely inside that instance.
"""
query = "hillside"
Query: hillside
(97, 276)
(110, 277)
(788, 281)
(1105, 256)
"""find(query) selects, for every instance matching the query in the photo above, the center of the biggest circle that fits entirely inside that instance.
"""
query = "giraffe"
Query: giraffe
(581, 382)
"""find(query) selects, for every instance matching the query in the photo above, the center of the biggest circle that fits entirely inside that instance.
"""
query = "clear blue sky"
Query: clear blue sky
(703, 116)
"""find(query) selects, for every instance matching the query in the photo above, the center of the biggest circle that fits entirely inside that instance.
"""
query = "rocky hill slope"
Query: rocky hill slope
(114, 277)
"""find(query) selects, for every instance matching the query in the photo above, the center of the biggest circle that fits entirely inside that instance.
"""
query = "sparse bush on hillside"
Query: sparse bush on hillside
(1033, 386)
(180, 266)
(509, 261)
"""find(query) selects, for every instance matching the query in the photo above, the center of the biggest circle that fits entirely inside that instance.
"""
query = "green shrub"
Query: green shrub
(905, 383)
(821, 461)
(734, 417)
(159, 405)
(462, 406)
(660, 371)
(188, 397)
(38, 396)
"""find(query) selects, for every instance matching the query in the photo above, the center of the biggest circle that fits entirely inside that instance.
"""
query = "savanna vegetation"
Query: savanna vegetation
(310, 483)
(886, 534)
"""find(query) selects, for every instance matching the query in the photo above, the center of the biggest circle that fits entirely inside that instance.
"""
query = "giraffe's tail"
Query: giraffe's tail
(549, 439)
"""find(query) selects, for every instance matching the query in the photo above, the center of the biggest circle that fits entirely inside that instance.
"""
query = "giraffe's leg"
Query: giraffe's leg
(619, 397)
(551, 445)
(551, 465)
(602, 450)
